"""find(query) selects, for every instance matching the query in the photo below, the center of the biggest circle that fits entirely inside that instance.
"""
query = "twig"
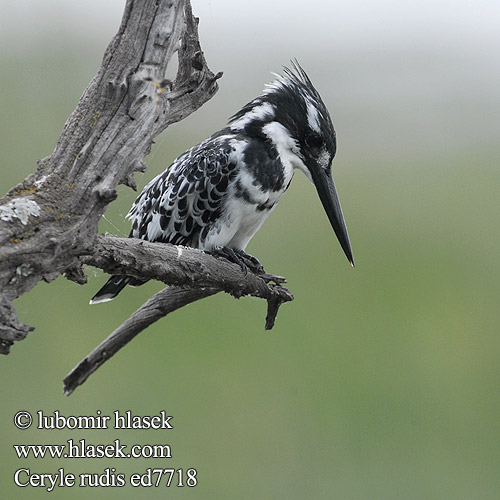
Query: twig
(164, 302)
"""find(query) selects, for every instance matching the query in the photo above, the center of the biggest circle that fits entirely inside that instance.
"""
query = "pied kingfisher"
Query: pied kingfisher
(217, 195)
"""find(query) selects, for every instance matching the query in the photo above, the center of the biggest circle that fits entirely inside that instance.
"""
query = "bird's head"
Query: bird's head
(291, 114)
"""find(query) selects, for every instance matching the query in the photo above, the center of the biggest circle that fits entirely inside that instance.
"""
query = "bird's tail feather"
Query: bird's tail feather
(111, 288)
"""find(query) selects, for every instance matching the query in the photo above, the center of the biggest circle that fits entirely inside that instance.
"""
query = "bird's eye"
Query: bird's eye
(314, 140)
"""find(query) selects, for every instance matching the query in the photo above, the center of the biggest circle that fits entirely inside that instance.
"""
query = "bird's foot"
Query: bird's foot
(253, 263)
(244, 260)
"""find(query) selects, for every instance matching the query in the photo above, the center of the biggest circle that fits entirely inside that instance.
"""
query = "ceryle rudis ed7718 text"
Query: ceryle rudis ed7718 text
(217, 195)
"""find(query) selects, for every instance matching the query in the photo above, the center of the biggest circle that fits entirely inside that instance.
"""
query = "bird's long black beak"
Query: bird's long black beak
(323, 181)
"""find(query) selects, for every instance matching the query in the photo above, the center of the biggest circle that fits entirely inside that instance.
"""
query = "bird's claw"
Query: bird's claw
(251, 262)
(244, 260)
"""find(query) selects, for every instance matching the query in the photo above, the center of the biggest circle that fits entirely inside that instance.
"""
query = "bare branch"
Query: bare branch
(49, 220)
(181, 266)
(165, 301)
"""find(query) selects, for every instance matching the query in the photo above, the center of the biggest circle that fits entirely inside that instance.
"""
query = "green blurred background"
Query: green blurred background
(379, 382)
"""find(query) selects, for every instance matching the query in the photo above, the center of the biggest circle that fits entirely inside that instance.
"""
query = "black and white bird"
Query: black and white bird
(217, 195)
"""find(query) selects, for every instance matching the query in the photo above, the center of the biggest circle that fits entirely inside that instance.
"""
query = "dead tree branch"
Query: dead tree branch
(165, 301)
(181, 266)
(48, 223)
(49, 220)
(194, 274)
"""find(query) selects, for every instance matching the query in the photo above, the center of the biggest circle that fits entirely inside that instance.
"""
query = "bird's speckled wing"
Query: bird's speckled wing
(180, 205)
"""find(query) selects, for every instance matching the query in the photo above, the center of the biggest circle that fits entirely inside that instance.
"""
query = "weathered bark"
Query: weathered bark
(181, 266)
(50, 220)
